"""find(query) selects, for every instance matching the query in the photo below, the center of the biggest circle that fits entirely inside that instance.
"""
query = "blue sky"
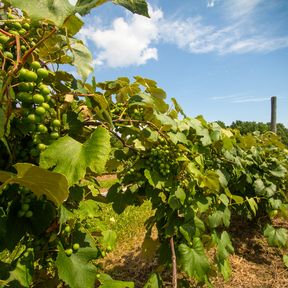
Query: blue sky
(222, 59)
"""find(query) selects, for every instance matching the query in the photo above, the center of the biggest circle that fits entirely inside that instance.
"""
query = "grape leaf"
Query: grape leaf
(219, 217)
(193, 260)
(253, 205)
(83, 7)
(55, 11)
(135, 6)
(154, 281)
(40, 181)
(108, 282)
(108, 239)
(71, 157)
(285, 260)
(76, 270)
(82, 58)
(224, 248)
(279, 171)
(259, 187)
(73, 24)
(19, 271)
(276, 237)
(154, 178)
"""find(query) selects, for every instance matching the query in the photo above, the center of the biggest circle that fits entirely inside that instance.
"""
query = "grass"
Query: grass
(127, 223)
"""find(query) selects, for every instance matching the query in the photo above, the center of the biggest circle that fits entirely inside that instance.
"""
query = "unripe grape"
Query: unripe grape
(44, 90)
(4, 38)
(42, 128)
(13, 32)
(23, 48)
(69, 252)
(26, 26)
(16, 25)
(41, 146)
(67, 229)
(76, 246)
(40, 110)
(56, 123)
(54, 135)
(45, 105)
(22, 31)
(42, 72)
(38, 98)
(25, 207)
(35, 65)
(27, 75)
(36, 139)
(8, 54)
(29, 214)
(32, 118)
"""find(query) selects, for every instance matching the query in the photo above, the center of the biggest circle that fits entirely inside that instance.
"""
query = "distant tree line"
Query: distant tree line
(251, 126)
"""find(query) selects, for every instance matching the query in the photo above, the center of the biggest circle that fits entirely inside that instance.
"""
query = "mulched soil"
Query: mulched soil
(254, 264)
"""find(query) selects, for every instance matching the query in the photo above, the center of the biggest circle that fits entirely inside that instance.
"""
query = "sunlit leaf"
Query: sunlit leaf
(276, 237)
(193, 260)
(82, 59)
(72, 158)
(55, 11)
(76, 270)
(83, 7)
(40, 181)
(107, 282)
(154, 281)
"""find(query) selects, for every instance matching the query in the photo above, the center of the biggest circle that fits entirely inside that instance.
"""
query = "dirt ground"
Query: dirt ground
(254, 264)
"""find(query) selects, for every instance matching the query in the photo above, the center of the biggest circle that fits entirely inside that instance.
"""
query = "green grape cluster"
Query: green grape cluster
(11, 26)
(137, 113)
(74, 247)
(117, 110)
(26, 197)
(162, 159)
(34, 98)
(33, 103)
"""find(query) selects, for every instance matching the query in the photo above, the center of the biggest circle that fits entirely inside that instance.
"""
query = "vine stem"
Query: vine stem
(27, 53)
(174, 264)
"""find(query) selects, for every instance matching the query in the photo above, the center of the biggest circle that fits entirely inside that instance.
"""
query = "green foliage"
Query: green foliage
(276, 237)
(154, 281)
(75, 270)
(40, 181)
(197, 175)
(56, 12)
(193, 260)
(135, 6)
(93, 154)
(246, 127)
(107, 282)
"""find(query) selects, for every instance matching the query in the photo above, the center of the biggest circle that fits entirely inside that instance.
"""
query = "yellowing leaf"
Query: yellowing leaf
(72, 158)
(40, 181)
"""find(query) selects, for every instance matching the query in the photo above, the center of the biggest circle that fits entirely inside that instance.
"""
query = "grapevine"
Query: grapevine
(58, 133)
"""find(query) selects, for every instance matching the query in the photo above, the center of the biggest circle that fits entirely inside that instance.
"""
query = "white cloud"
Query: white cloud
(240, 98)
(195, 37)
(127, 42)
(237, 9)
(251, 99)
(242, 34)
(133, 39)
